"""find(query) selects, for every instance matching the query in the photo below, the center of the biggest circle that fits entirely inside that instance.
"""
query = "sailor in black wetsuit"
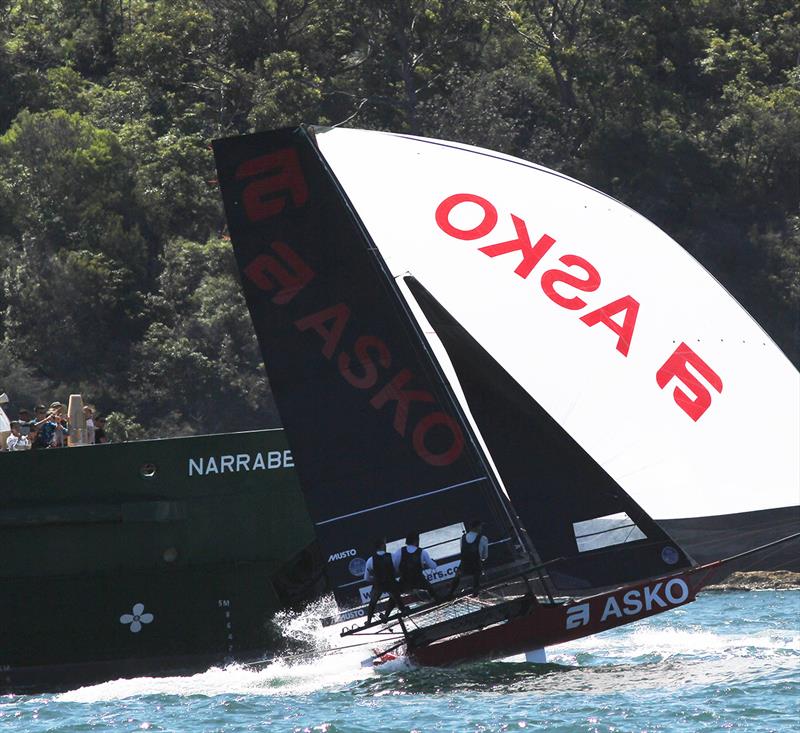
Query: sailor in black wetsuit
(474, 551)
(410, 561)
(380, 571)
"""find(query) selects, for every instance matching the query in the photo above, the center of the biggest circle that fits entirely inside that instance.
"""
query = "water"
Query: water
(730, 661)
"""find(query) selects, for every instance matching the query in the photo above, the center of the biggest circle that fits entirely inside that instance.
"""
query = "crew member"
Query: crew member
(474, 551)
(380, 571)
(410, 560)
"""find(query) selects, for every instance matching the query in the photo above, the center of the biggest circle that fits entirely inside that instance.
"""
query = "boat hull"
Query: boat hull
(537, 625)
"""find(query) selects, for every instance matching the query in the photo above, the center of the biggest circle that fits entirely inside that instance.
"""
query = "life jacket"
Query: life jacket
(411, 566)
(471, 554)
(383, 568)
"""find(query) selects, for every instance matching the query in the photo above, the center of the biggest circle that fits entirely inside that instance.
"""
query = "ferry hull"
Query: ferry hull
(147, 558)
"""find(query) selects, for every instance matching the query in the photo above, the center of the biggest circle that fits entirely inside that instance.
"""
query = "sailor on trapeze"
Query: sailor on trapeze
(474, 551)
(380, 571)
(410, 560)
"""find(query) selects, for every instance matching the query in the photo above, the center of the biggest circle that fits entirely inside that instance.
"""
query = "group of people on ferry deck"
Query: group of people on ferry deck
(403, 570)
(49, 428)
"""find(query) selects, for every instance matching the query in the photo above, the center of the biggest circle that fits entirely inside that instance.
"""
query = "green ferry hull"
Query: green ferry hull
(149, 558)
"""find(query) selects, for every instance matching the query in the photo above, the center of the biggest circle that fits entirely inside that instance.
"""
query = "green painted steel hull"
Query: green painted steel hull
(148, 557)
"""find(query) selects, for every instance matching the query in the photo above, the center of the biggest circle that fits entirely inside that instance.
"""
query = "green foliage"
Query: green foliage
(115, 281)
(284, 92)
(72, 185)
(172, 185)
(120, 427)
(203, 330)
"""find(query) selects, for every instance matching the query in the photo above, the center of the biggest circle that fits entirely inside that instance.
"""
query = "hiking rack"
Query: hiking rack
(464, 604)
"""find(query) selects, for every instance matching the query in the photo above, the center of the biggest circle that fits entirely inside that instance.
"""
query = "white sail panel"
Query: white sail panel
(608, 323)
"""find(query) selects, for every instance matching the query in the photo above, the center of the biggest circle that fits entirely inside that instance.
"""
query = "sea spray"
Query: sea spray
(319, 659)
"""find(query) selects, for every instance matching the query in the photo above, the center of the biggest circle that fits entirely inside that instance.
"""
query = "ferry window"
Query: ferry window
(613, 529)
(440, 543)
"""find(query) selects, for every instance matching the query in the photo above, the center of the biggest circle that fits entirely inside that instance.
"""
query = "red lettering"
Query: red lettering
(587, 284)
(446, 457)
(363, 346)
(338, 314)
(291, 281)
(531, 255)
(393, 392)
(625, 331)
(285, 175)
(677, 366)
(486, 225)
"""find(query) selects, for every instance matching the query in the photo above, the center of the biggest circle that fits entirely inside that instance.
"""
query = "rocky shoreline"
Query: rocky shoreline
(758, 580)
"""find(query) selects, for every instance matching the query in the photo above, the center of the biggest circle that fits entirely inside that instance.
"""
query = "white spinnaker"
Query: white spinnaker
(741, 454)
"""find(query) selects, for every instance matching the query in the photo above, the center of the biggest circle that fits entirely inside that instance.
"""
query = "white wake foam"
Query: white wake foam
(291, 674)
(665, 642)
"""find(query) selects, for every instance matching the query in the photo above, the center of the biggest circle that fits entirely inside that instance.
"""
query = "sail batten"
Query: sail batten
(402, 501)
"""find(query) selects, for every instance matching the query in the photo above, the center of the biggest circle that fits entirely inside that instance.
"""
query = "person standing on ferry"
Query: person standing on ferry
(17, 441)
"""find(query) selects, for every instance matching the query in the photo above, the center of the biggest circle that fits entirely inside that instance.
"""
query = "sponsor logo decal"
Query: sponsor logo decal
(356, 567)
(446, 571)
(362, 360)
(578, 276)
(670, 555)
(634, 602)
(349, 615)
(342, 555)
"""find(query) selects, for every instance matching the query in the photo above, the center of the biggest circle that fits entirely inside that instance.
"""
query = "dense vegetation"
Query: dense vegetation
(116, 277)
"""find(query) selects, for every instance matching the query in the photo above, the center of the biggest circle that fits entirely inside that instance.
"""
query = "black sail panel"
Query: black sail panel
(378, 446)
(569, 505)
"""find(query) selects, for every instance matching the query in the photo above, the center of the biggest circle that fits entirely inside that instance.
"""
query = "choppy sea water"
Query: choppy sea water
(730, 661)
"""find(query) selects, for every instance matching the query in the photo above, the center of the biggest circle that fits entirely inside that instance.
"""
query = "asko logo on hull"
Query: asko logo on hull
(581, 276)
(364, 361)
(626, 606)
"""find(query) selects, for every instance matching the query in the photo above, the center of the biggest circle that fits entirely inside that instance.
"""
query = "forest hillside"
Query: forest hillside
(117, 280)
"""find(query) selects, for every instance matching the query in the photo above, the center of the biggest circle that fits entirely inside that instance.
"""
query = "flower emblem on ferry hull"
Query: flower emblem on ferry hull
(136, 618)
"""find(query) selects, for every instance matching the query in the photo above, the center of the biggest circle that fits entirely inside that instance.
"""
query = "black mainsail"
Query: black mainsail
(379, 445)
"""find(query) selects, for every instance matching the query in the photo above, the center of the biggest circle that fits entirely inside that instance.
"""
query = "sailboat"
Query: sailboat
(451, 333)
